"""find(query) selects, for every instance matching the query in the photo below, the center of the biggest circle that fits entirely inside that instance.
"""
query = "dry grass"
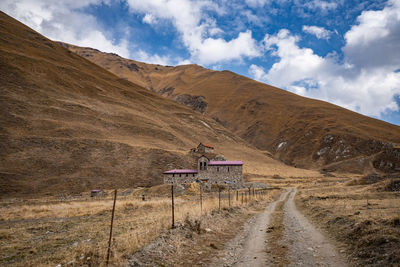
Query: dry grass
(276, 230)
(364, 217)
(76, 232)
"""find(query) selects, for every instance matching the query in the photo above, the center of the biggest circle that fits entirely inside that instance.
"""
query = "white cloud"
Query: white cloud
(197, 29)
(149, 19)
(258, 73)
(152, 59)
(257, 3)
(62, 21)
(216, 50)
(367, 81)
(324, 6)
(319, 32)
(375, 40)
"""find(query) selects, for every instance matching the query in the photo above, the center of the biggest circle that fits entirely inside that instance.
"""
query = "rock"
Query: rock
(197, 103)
(213, 246)
(207, 230)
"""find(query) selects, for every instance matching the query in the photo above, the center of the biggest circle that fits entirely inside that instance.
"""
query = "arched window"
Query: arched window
(205, 165)
(228, 168)
(217, 169)
(201, 165)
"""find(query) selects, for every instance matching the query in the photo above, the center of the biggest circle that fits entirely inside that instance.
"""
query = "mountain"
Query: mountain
(68, 125)
(299, 131)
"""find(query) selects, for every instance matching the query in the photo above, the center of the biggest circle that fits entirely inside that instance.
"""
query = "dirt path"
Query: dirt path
(248, 248)
(307, 246)
(304, 244)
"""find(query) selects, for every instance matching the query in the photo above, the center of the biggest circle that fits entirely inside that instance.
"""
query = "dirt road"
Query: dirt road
(302, 244)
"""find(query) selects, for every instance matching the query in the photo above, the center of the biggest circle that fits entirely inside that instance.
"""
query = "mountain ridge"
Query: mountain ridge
(300, 131)
(68, 125)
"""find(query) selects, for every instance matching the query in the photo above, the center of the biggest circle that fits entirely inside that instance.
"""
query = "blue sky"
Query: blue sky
(344, 52)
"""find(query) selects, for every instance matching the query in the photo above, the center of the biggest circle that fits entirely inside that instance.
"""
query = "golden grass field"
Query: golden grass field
(362, 217)
(47, 232)
(365, 218)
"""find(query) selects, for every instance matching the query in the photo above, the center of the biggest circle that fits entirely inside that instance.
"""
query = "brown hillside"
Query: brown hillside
(298, 130)
(68, 125)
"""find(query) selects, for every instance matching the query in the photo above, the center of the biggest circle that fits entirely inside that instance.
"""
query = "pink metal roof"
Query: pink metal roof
(180, 171)
(221, 162)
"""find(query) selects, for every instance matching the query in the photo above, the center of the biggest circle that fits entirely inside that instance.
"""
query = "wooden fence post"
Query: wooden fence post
(219, 198)
(237, 195)
(173, 211)
(229, 196)
(201, 200)
(242, 198)
(111, 227)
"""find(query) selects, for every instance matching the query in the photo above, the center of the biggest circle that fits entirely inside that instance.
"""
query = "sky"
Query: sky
(345, 52)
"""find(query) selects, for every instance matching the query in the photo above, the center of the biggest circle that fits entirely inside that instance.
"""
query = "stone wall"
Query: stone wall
(180, 178)
(203, 149)
(232, 175)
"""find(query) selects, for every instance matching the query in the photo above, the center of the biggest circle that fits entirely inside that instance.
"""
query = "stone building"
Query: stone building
(204, 148)
(209, 172)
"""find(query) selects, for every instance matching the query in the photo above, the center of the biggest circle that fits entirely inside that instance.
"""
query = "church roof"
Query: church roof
(224, 163)
(174, 171)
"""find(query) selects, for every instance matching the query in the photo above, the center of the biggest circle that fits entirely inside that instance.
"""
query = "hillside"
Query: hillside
(67, 125)
(299, 131)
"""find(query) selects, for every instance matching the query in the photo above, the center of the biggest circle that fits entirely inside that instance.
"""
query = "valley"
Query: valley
(299, 131)
(320, 183)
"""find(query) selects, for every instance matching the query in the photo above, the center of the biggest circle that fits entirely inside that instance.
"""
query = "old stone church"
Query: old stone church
(209, 172)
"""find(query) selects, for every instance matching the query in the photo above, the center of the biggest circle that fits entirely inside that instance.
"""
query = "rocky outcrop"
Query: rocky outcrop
(334, 148)
(197, 103)
(388, 160)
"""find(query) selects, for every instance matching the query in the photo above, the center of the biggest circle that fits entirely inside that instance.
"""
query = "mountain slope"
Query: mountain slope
(300, 131)
(67, 125)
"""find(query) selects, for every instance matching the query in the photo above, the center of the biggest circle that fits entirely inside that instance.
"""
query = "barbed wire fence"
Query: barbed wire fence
(224, 195)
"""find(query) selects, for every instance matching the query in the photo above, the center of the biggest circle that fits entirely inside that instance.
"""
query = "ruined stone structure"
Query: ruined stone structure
(209, 172)
(204, 148)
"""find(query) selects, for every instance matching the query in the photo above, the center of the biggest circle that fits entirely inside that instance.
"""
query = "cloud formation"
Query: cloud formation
(64, 22)
(324, 6)
(367, 81)
(319, 32)
(142, 56)
(197, 29)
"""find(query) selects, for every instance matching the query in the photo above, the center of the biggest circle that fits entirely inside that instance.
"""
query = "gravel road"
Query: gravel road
(306, 245)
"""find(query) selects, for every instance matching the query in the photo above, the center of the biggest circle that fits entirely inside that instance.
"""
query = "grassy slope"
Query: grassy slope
(68, 125)
(264, 115)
